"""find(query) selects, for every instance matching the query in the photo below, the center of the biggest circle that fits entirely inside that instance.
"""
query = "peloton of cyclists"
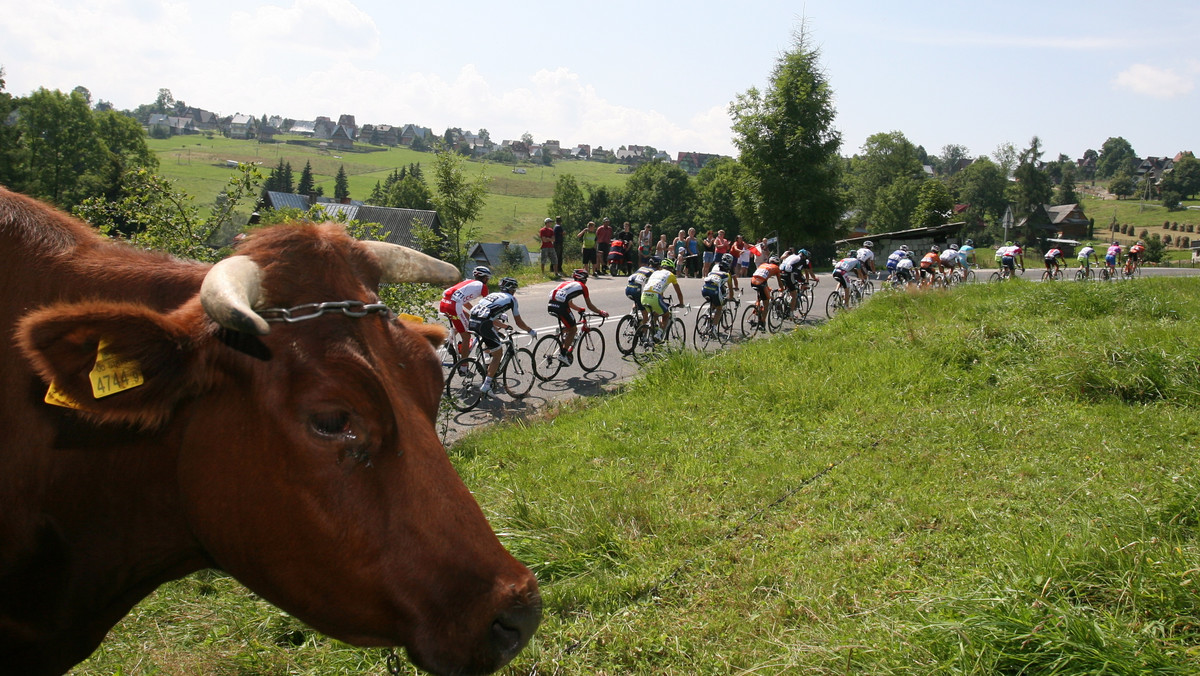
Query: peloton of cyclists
(485, 318)
(456, 305)
(559, 305)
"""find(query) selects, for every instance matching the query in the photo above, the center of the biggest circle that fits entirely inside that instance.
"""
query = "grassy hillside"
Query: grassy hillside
(515, 208)
(1001, 479)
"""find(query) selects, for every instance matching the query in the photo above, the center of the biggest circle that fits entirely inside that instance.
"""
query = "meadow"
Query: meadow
(997, 479)
(516, 205)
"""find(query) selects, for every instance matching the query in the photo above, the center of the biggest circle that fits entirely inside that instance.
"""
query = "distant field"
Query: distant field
(516, 205)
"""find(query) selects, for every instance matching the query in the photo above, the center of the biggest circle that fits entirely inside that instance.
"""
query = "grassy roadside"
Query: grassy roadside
(1000, 479)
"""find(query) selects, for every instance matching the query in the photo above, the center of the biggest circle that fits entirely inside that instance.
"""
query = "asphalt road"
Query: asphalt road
(608, 293)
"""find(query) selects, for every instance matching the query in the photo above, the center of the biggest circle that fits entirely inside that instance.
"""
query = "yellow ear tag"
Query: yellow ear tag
(411, 318)
(111, 375)
(57, 397)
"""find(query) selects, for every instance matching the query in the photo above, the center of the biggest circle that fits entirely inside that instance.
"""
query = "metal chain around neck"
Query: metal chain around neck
(350, 308)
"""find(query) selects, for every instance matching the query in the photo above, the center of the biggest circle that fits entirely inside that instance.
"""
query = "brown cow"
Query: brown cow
(300, 457)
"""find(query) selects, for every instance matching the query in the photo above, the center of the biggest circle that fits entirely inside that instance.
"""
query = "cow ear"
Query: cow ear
(114, 362)
(436, 335)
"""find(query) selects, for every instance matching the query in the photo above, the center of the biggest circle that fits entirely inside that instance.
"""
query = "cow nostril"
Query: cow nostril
(513, 628)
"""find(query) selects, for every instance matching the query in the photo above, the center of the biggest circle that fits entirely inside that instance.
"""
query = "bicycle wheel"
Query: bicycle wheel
(969, 277)
(725, 326)
(463, 383)
(545, 357)
(589, 351)
(803, 305)
(995, 277)
(775, 313)
(1058, 275)
(749, 321)
(834, 304)
(643, 343)
(518, 374)
(1105, 274)
(626, 330)
(704, 333)
(676, 339)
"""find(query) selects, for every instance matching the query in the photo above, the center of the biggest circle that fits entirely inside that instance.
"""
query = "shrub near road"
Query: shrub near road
(999, 479)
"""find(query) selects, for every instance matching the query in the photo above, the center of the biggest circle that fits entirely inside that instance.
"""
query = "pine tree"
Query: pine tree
(341, 185)
(306, 180)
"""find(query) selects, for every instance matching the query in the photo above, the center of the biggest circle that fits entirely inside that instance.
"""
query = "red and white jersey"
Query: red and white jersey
(465, 291)
(566, 291)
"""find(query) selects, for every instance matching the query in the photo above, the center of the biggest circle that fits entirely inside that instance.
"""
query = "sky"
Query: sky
(977, 74)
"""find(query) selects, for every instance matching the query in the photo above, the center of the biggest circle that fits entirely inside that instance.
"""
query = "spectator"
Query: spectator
(679, 253)
(645, 245)
(546, 237)
(739, 250)
(709, 252)
(588, 236)
(559, 232)
(693, 253)
(661, 247)
(603, 241)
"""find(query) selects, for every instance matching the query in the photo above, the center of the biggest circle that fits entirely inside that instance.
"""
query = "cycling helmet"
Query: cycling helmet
(969, 242)
(481, 272)
(773, 260)
(934, 248)
(802, 252)
(868, 244)
(1141, 242)
(1009, 243)
(1116, 244)
(727, 260)
(954, 247)
(656, 261)
(508, 285)
(904, 247)
(668, 264)
(579, 275)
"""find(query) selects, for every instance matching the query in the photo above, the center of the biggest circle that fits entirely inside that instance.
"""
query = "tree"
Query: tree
(661, 193)
(1066, 189)
(164, 103)
(1121, 185)
(458, 201)
(484, 136)
(341, 184)
(953, 155)
(85, 93)
(527, 139)
(722, 201)
(568, 202)
(1116, 156)
(1183, 178)
(887, 158)
(789, 149)
(11, 160)
(1032, 187)
(981, 187)
(410, 192)
(1005, 155)
(305, 186)
(934, 204)
(64, 154)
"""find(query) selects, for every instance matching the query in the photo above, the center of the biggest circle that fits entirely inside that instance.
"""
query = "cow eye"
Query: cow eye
(331, 424)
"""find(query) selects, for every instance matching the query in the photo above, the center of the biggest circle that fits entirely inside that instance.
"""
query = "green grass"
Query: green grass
(516, 203)
(1000, 479)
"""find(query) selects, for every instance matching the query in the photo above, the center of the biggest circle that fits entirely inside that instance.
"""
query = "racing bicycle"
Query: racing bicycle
(514, 376)
(588, 347)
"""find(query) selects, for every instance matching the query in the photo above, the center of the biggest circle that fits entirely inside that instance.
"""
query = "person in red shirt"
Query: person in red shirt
(603, 241)
(546, 236)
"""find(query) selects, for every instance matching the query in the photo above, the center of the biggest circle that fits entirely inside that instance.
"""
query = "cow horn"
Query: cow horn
(401, 264)
(230, 291)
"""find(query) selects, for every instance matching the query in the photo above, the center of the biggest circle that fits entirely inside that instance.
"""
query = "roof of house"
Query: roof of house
(492, 253)
(397, 223)
(913, 233)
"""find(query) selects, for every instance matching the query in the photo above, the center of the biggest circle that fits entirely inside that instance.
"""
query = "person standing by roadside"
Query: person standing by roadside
(645, 245)
(546, 237)
(708, 252)
(559, 233)
(588, 236)
(661, 248)
(720, 248)
(693, 254)
(603, 241)
(738, 249)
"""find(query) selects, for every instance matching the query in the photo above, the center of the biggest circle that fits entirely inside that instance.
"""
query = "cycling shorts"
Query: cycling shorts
(634, 293)
(763, 291)
(486, 330)
(563, 312)
(654, 303)
(713, 296)
(1008, 262)
(1111, 259)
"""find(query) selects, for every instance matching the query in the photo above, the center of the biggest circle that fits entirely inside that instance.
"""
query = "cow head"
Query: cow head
(308, 465)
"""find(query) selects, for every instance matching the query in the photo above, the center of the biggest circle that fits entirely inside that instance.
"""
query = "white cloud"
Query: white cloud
(332, 27)
(1159, 83)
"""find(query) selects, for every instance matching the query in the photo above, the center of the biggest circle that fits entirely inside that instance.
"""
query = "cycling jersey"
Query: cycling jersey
(1053, 254)
(930, 259)
(764, 273)
(895, 257)
(865, 255)
(495, 304)
(949, 257)
(1135, 251)
(564, 292)
(794, 263)
(1086, 253)
(848, 264)
(454, 298)
(657, 283)
(715, 286)
(904, 264)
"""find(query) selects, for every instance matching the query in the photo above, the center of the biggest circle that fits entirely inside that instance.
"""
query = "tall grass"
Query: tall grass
(1001, 479)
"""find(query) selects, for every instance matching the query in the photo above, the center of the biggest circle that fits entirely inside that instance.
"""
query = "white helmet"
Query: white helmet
(868, 244)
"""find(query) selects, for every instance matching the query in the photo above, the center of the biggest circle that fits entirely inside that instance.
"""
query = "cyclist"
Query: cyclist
(966, 254)
(867, 256)
(486, 318)
(933, 257)
(652, 293)
(718, 286)
(1113, 257)
(1134, 258)
(635, 283)
(456, 305)
(948, 259)
(1008, 257)
(795, 270)
(894, 258)
(845, 266)
(1054, 260)
(904, 269)
(759, 282)
(560, 306)
(1086, 254)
